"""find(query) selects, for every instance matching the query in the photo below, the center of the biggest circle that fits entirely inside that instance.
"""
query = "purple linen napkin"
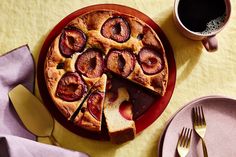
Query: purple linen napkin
(12, 146)
(16, 67)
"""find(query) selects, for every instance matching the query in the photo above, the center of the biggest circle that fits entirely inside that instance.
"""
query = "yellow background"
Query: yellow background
(199, 73)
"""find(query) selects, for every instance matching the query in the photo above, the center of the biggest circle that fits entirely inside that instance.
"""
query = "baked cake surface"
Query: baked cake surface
(90, 114)
(97, 43)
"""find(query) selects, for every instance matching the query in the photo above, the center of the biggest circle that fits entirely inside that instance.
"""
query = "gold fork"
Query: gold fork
(199, 124)
(183, 145)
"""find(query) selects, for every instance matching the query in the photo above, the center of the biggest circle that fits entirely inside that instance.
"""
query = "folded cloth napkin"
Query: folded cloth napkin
(17, 67)
(12, 146)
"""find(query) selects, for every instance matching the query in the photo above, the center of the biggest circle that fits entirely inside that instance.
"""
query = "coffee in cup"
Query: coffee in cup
(202, 19)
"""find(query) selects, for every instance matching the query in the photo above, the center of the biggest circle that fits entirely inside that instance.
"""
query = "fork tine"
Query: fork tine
(194, 115)
(203, 117)
(180, 141)
(186, 137)
(189, 138)
(199, 116)
(180, 136)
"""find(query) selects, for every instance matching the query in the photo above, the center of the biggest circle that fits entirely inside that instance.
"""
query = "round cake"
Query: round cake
(88, 51)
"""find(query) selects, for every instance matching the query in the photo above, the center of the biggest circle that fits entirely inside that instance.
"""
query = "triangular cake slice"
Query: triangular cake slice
(119, 117)
(90, 114)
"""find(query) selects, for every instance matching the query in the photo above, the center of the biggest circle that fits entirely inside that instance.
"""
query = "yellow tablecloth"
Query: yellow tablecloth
(198, 73)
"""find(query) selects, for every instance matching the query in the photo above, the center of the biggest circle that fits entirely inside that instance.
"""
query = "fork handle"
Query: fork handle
(204, 148)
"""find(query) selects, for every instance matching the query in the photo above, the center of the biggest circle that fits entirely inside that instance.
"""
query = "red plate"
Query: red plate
(150, 114)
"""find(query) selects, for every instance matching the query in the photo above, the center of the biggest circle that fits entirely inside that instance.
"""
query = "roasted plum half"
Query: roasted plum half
(125, 110)
(94, 104)
(71, 87)
(117, 29)
(120, 62)
(151, 61)
(72, 40)
(90, 63)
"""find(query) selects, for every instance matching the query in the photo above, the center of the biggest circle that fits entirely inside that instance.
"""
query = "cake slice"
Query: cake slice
(90, 114)
(119, 117)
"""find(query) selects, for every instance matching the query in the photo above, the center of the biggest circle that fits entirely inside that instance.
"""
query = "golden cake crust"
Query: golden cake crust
(141, 36)
(85, 119)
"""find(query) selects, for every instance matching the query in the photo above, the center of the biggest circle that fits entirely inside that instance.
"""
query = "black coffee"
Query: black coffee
(198, 15)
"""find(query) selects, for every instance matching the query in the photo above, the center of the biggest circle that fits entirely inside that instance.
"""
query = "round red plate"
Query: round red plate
(144, 120)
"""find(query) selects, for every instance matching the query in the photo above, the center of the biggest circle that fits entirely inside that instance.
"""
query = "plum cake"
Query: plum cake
(93, 45)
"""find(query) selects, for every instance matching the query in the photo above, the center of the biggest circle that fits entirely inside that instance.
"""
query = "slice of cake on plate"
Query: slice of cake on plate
(119, 117)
